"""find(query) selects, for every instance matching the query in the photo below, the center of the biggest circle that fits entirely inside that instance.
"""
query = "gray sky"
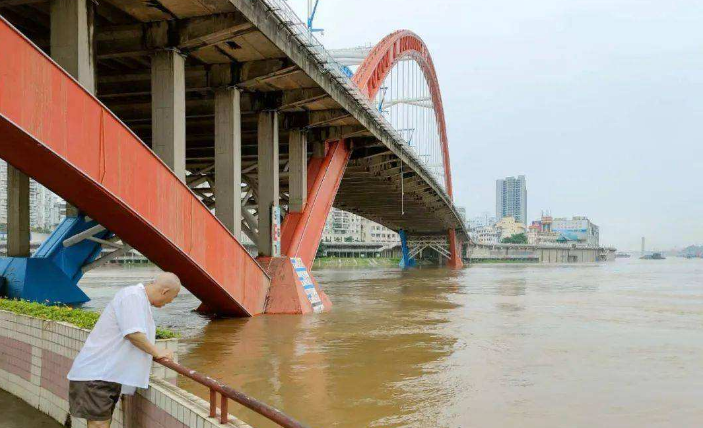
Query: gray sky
(598, 102)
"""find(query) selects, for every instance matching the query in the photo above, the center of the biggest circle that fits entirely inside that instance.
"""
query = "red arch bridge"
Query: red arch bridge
(181, 127)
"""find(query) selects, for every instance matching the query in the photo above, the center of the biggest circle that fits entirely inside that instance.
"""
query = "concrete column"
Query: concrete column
(267, 176)
(72, 46)
(298, 170)
(168, 110)
(17, 213)
(72, 39)
(318, 149)
(228, 159)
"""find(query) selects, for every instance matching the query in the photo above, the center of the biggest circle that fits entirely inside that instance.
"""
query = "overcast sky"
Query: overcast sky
(598, 102)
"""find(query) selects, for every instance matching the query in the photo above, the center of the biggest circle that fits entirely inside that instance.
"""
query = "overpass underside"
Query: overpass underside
(241, 111)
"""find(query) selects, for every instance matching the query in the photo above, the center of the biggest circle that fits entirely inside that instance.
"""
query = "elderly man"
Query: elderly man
(117, 356)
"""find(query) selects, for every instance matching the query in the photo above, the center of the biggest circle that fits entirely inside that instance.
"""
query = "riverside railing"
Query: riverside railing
(226, 393)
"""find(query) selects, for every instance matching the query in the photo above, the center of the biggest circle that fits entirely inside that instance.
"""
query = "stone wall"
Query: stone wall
(36, 355)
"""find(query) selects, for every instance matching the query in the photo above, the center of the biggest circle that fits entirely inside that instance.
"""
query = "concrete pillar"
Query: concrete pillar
(268, 177)
(318, 149)
(72, 39)
(71, 43)
(228, 159)
(168, 110)
(298, 171)
(17, 213)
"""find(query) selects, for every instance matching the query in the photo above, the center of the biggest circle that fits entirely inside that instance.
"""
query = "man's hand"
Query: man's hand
(140, 341)
(163, 353)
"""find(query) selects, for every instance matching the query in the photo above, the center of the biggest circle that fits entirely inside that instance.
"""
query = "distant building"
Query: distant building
(480, 221)
(485, 235)
(508, 226)
(540, 231)
(44, 206)
(343, 226)
(577, 229)
(511, 198)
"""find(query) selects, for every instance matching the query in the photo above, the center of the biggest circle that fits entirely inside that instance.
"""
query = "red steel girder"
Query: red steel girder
(301, 232)
(56, 132)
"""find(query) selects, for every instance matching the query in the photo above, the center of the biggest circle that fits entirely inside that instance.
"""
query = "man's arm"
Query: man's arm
(139, 340)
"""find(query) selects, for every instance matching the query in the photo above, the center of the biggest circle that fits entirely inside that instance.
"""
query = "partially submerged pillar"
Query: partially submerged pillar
(406, 260)
(268, 186)
(455, 261)
(293, 289)
(228, 150)
(298, 171)
(168, 109)
(17, 213)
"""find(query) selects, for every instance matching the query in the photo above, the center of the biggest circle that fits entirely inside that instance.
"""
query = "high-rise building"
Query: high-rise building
(43, 204)
(511, 198)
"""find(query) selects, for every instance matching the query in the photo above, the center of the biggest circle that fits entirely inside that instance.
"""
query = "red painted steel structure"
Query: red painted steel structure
(381, 60)
(301, 232)
(373, 71)
(59, 134)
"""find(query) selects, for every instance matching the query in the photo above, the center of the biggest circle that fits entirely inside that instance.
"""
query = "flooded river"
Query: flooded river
(616, 344)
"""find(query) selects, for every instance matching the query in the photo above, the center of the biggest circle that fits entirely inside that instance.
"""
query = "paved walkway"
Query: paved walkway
(15, 413)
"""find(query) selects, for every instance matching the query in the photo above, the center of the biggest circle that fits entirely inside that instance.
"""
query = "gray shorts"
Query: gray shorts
(94, 400)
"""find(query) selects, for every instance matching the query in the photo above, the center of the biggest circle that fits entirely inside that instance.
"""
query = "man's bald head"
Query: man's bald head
(163, 289)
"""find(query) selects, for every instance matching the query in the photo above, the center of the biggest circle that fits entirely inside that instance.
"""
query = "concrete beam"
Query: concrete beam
(72, 39)
(187, 35)
(168, 110)
(17, 213)
(267, 177)
(297, 165)
(228, 159)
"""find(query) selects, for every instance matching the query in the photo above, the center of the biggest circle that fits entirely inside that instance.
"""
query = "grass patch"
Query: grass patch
(78, 317)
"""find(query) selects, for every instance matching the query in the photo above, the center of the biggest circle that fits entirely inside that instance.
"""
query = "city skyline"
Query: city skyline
(530, 88)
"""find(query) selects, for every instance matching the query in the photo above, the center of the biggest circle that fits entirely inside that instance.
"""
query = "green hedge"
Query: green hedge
(78, 317)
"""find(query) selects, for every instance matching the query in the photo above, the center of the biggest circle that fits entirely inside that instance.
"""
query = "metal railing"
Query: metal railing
(226, 393)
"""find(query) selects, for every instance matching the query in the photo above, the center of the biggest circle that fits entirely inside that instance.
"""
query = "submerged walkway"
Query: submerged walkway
(18, 414)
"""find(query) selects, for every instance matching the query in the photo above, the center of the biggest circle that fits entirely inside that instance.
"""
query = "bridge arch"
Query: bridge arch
(395, 47)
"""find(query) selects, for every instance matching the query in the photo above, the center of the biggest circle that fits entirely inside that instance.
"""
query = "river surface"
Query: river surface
(616, 344)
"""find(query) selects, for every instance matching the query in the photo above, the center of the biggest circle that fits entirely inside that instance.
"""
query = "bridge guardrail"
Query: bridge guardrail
(271, 413)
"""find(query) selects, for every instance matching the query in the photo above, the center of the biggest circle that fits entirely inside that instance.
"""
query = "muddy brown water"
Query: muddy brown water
(615, 344)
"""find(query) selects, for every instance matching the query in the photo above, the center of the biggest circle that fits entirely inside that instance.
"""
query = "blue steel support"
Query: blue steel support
(406, 261)
(52, 273)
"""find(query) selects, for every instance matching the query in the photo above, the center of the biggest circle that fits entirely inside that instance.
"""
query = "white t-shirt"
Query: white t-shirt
(107, 355)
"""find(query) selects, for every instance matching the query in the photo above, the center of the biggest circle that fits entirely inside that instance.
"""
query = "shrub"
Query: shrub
(78, 317)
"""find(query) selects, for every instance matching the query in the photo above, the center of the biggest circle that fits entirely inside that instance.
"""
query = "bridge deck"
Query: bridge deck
(274, 69)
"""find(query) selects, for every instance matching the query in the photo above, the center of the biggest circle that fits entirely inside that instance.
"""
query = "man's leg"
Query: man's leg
(93, 401)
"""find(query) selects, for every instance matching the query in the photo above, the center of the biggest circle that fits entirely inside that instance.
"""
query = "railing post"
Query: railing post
(213, 403)
(223, 409)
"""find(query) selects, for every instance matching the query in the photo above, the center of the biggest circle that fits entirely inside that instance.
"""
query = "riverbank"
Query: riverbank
(501, 261)
(351, 263)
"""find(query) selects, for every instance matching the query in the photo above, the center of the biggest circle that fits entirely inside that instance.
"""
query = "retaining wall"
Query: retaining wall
(36, 355)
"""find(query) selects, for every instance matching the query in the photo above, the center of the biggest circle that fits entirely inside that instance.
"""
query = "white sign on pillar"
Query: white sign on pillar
(275, 231)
